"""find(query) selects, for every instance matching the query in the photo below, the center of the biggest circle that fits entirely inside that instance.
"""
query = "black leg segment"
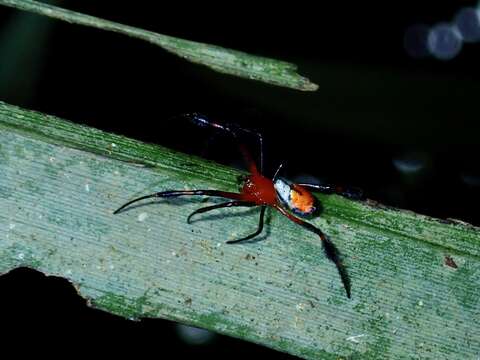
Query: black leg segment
(350, 193)
(232, 129)
(330, 250)
(332, 253)
(218, 206)
(176, 193)
(258, 232)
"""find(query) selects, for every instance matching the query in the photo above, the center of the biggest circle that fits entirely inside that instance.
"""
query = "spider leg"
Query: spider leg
(277, 172)
(329, 248)
(350, 193)
(218, 206)
(259, 229)
(176, 193)
(260, 141)
(203, 121)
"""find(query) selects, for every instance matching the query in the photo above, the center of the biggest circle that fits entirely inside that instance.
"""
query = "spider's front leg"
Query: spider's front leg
(233, 130)
(176, 193)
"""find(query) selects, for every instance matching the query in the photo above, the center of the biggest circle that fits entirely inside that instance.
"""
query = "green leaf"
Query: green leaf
(415, 279)
(223, 60)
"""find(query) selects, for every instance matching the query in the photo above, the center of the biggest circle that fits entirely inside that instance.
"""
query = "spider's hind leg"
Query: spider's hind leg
(329, 248)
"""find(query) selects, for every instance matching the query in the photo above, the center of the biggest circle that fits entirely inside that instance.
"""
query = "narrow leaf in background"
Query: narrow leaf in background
(227, 61)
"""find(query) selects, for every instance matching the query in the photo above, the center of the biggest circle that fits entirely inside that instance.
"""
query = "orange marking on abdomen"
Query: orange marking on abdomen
(302, 199)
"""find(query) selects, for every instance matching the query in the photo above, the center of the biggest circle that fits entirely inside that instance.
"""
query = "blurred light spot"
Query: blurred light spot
(410, 163)
(467, 21)
(444, 41)
(194, 336)
(470, 179)
(415, 41)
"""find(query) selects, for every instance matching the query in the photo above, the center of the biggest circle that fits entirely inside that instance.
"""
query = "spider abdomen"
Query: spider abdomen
(295, 197)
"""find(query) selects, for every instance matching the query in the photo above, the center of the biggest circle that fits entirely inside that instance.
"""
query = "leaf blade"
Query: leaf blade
(227, 61)
(60, 183)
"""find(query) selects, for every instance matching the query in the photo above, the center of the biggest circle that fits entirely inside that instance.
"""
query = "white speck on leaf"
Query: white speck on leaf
(355, 338)
(114, 145)
(420, 303)
(11, 226)
(52, 159)
(300, 306)
(87, 187)
(21, 256)
(174, 253)
(142, 216)
(298, 323)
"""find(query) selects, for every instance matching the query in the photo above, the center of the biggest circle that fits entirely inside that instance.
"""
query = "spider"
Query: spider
(288, 198)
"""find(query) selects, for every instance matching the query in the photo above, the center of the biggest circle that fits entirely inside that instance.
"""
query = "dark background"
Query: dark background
(404, 128)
